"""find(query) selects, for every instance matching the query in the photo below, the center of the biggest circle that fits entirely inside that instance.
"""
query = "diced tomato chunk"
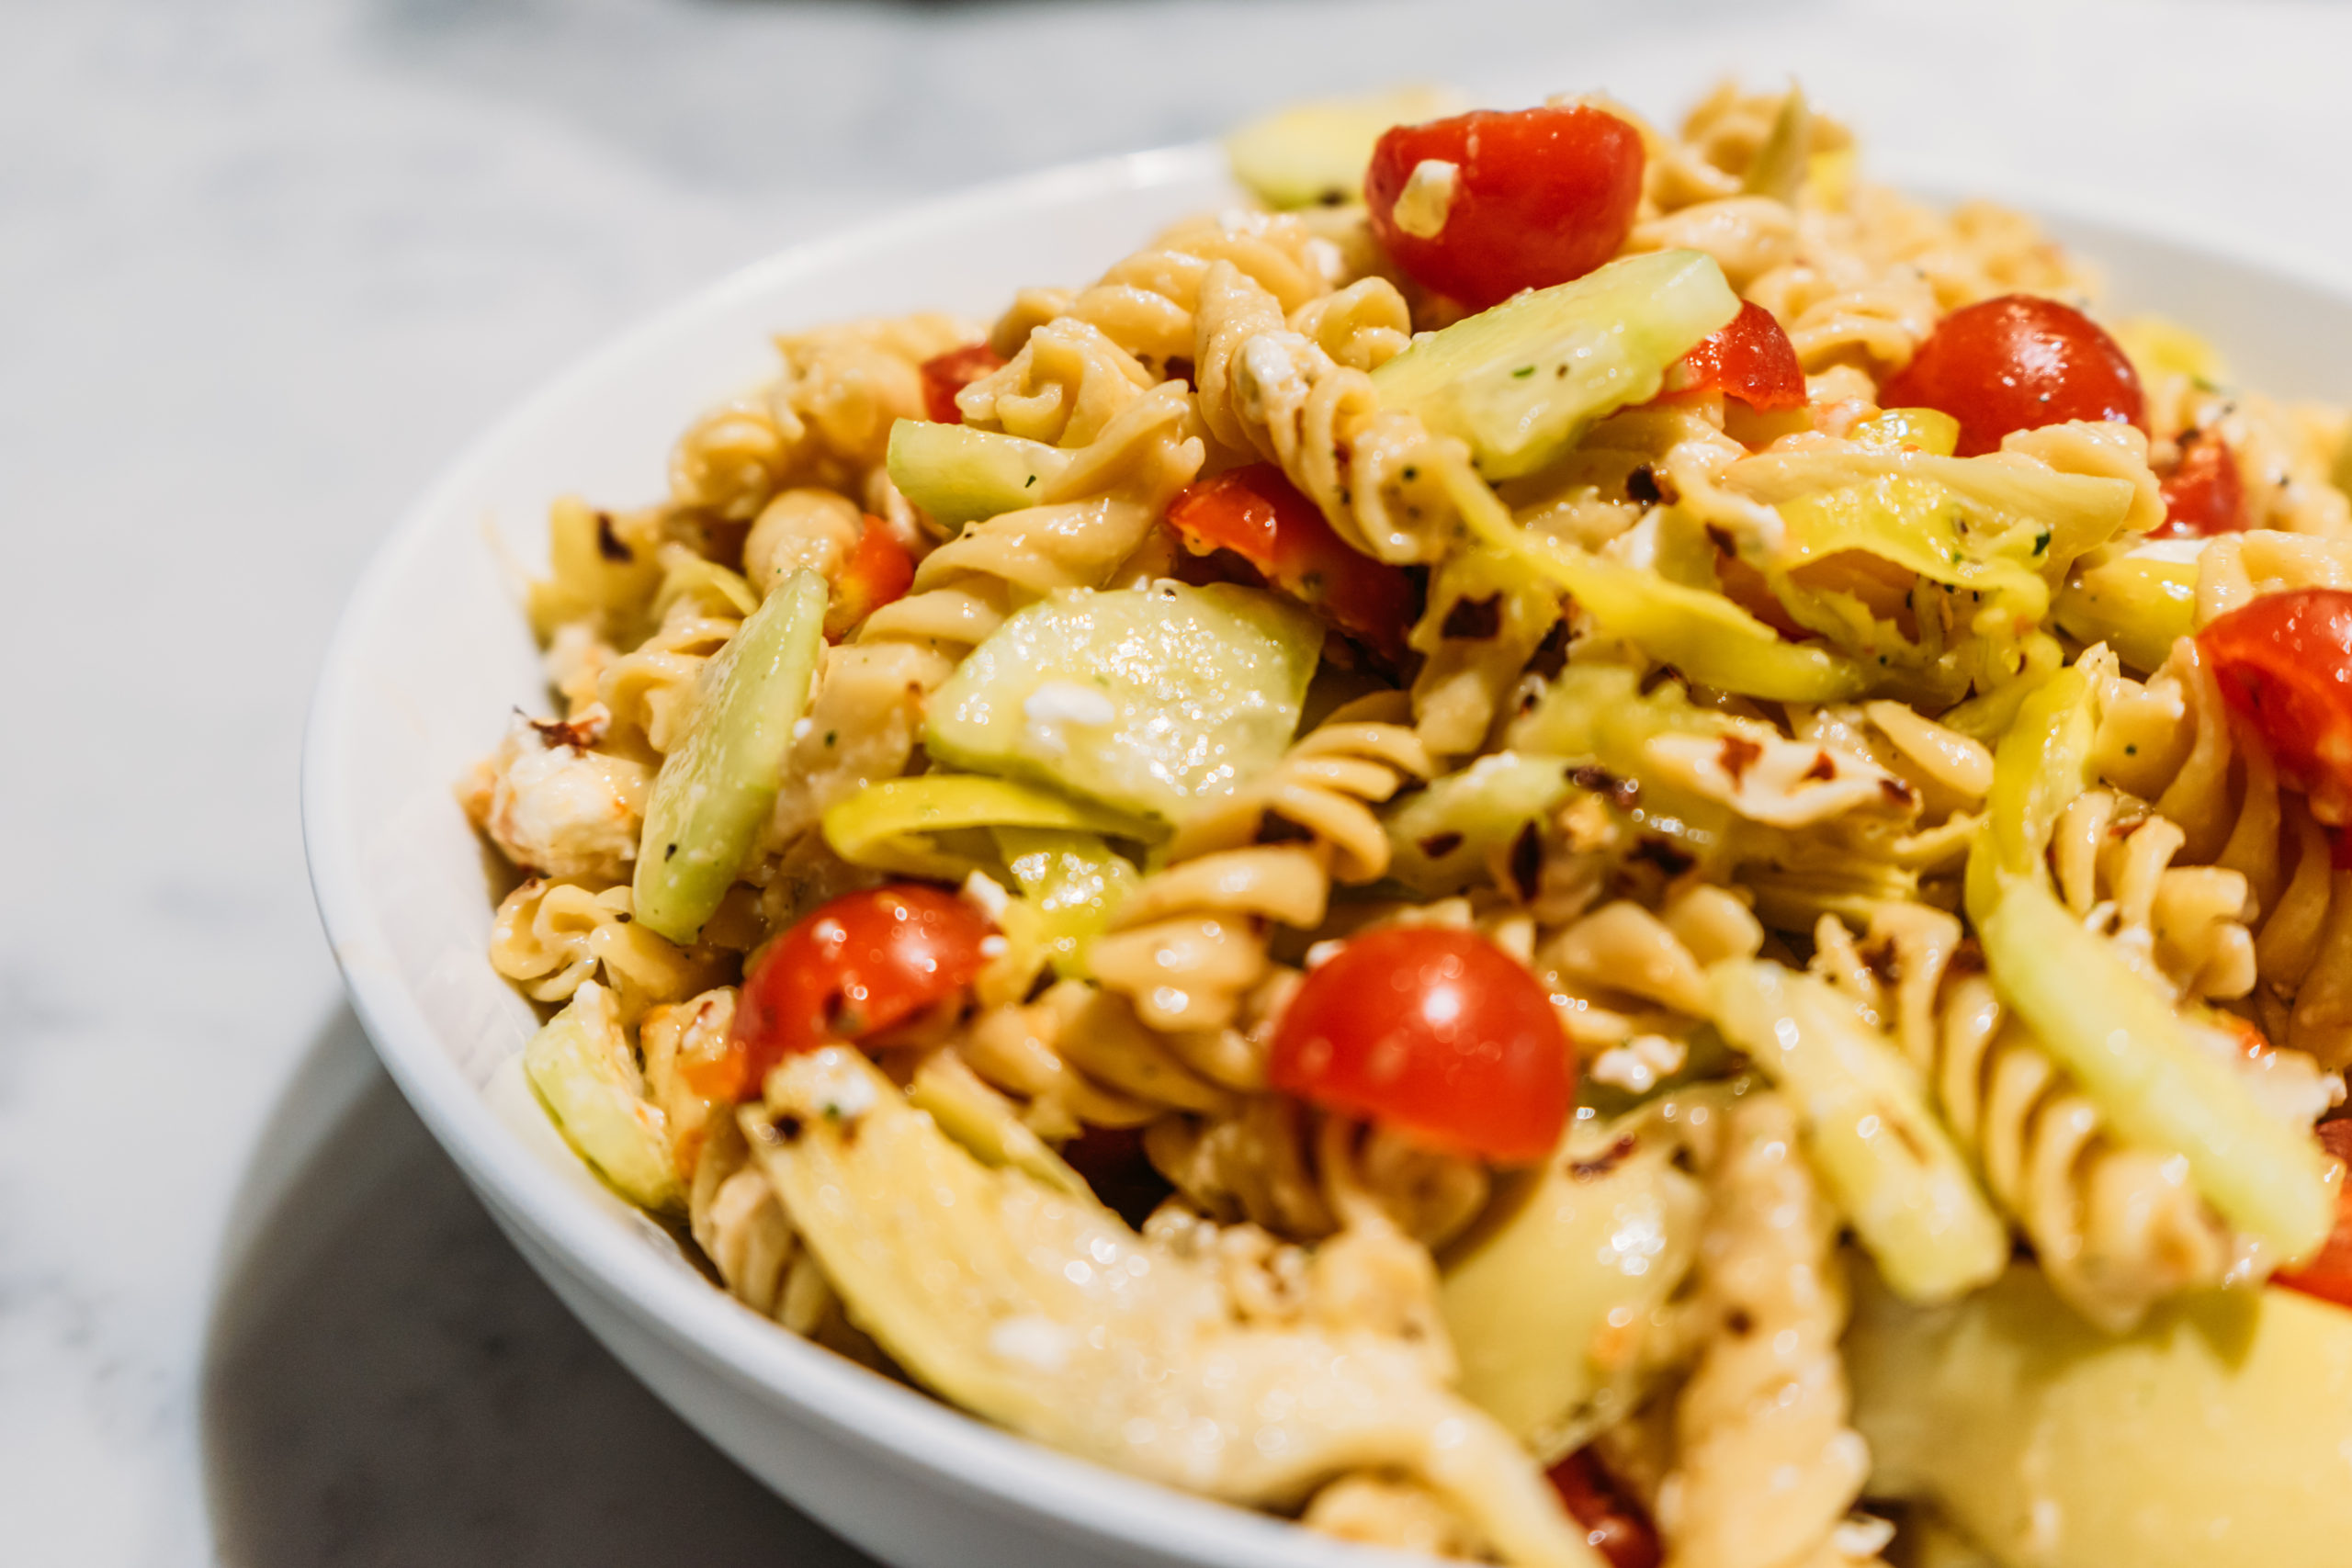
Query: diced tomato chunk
(857, 966)
(2018, 363)
(950, 373)
(1507, 201)
(1437, 1032)
(2206, 494)
(1260, 515)
(878, 571)
(1750, 359)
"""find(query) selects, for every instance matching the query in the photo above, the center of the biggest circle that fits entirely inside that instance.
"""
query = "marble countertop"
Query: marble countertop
(265, 266)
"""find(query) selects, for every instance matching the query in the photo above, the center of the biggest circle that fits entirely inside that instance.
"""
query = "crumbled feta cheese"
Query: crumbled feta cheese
(1638, 1064)
(1428, 196)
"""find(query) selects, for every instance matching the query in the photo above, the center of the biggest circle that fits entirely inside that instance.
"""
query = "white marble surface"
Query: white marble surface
(263, 266)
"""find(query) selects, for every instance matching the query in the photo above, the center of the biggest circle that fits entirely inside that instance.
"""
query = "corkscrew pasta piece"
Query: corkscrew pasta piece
(2115, 1229)
(1766, 1466)
(2171, 740)
(1145, 304)
(550, 935)
(823, 421)
(1276, 1163)
(1191, 942)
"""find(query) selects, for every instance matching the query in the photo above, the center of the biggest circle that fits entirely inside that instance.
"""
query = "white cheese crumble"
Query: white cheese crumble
(1034, 1341)
(1428, 196)
(1638, 1064)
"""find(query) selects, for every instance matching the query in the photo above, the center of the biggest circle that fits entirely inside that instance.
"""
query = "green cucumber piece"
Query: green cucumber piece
(579, 1066)
(1315, 154)
(717, 788)
(1521, 381)
(959, 475)
(1148, 701)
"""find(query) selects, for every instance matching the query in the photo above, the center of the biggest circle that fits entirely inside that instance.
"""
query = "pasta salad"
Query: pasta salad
(1573, 845)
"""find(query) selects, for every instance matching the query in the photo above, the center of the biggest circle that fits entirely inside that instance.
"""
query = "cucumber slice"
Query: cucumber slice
(580, 1066)
(716, 789)
(1523, 380)
(959, 475)
(1147, 700)
(1315, 154)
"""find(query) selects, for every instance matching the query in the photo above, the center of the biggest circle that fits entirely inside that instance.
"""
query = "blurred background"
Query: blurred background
(265, 269)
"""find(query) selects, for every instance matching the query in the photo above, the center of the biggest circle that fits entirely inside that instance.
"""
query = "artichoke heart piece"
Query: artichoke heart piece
(1550, 1298)
(2136, 606)
(1040, 1309)
(2211, 1437)
(1148, 701)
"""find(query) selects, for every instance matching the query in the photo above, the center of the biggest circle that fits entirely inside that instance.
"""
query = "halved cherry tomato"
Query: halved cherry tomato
(857, 967)
(2329, 1274)
(1539, 197)
(878, 571)
(1614, 1524)
(2206, 494)
(950, 373)
(1438, 1034)
(2285, 661)
(1752, 359)
(2018, 363)
(1260, 515)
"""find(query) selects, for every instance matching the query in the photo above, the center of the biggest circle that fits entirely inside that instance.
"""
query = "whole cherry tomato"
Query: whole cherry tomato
(1752, 359)
(878, 571)
(1438, 1034)
(1614, 1524)
(1260, 516)
(2206, 494)
(2328, 1275)
(2018, 363)
(857, 967)
(1535, 197)
(950, 373)
(2285, 661)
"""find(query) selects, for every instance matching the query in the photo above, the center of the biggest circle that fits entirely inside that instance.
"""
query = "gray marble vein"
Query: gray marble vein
(265, 266)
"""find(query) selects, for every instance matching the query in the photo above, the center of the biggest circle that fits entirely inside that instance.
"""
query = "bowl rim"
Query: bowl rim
(898, 1425)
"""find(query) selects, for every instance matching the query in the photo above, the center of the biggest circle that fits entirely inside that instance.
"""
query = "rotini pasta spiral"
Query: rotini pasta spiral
(1190, 942)
(1145, 304)
(1275, 1164)
(550, 935)
(2173, 742)
(2115, 1229)
(824, 419)
(1766, 1465)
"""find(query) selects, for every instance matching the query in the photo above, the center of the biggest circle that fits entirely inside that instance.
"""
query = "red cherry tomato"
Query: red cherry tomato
(2018, 363)
(857, 967)
(2206, 494)
(950, 373)
(1542, 195)
(1752, 359)
(2285, 661)
(1260, 516)
(2328, 1275)
(878, 571)
(1438, 1034)
(1614, 1524)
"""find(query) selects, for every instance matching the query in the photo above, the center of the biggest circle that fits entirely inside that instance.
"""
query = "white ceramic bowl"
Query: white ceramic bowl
(433, 653)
